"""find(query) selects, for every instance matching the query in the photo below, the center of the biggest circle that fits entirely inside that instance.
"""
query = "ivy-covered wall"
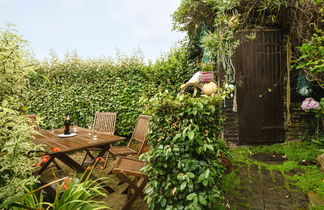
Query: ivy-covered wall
(82, 87)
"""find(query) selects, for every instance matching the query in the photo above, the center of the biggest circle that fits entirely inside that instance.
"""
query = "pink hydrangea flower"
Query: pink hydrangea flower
(310, 103)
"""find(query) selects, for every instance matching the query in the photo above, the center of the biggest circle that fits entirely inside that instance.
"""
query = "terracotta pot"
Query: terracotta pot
(206, 76)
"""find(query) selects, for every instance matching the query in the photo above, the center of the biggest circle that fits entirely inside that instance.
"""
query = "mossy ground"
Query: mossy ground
(294, 177)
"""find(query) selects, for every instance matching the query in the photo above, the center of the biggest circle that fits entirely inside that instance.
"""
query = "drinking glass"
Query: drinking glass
(52, 126)
(75, 127)
(90, 129)
(94, 135)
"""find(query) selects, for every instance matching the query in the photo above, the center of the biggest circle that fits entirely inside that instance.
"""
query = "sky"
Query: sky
(93, 28)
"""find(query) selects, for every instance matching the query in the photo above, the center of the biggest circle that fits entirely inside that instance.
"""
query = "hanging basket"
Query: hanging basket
(206, 76)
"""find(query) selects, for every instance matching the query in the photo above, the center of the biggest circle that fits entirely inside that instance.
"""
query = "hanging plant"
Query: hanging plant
(206, 72)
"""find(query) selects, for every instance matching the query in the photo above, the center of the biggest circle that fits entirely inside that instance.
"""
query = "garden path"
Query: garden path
(261, 189)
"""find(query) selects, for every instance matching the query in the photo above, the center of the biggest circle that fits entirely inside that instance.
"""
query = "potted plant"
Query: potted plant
(206, 72)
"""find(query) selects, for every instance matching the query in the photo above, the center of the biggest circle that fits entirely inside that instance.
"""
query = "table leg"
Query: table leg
(104, 149)
(76, 166)
(45, 165)
(70, 162)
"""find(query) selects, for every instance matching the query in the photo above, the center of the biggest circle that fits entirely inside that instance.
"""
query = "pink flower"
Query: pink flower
(310, 103)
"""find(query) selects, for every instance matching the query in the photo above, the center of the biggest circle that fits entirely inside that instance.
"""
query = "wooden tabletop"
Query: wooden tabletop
(81, 141)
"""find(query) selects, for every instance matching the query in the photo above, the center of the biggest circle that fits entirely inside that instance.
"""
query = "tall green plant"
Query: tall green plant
(16, 166)
(311, 59)
(15, 65)
(184, 167)
(70, 194)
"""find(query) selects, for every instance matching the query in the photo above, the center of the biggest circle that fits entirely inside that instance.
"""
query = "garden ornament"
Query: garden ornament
(209, 88)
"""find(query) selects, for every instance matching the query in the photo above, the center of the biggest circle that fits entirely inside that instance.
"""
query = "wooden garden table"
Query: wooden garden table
(81, 141)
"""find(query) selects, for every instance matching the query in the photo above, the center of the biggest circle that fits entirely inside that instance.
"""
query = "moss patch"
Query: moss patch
(295, 177)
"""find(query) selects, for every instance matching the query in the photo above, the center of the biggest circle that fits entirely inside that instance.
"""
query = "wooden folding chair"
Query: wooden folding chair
(32, 121)
(105, 123)
(126, 167)
(138, 138)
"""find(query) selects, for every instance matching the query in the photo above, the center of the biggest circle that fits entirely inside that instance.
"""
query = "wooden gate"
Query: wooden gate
(260, 68)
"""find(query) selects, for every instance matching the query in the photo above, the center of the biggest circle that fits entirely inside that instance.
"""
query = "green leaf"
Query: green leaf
(183, 185)
(163, 203)
(201, 106)
(191, 134)
(207, 173)
(177, 136)
(202, 200)
(210, 147)
(201, 177)
(191, 196)
(190, 175)
(180, 176)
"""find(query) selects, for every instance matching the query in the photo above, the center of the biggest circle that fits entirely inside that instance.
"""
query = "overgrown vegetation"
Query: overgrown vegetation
(300, 19)
(184, 165)
(311, 60)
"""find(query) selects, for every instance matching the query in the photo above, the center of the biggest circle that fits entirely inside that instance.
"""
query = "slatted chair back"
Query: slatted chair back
(139, 133)
(32, 121)
(105, 122)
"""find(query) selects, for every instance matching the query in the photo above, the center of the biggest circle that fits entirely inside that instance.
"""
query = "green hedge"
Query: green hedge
(82, 87)
(184, 167)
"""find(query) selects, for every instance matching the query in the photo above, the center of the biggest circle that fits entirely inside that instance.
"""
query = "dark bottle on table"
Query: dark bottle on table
(67, 124)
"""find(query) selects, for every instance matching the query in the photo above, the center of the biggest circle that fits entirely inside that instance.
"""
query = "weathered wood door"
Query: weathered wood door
(260, 68)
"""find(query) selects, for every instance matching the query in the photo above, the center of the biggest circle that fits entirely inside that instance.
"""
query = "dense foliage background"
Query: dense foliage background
(82, 87)
(184, 165)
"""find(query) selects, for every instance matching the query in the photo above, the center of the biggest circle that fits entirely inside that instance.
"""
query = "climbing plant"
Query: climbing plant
(225, 18)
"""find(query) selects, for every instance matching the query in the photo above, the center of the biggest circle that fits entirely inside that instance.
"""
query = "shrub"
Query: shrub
(15, 166)
(15, 64)
(184, 167)
(172, 70)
